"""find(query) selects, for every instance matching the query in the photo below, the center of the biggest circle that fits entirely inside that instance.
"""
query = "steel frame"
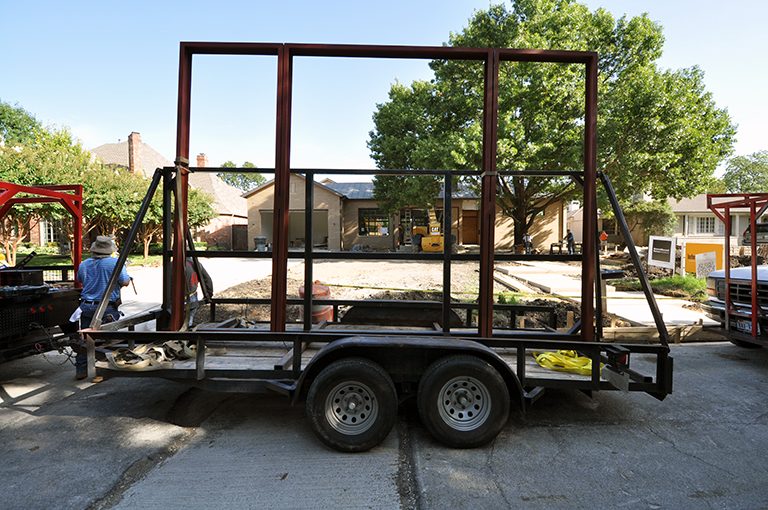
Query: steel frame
(68, 195)
(491, 58)
(584, 337)
(721, 204)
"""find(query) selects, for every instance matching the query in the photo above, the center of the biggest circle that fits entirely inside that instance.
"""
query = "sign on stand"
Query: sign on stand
(661, 252)
(705, 264)
(694, 249)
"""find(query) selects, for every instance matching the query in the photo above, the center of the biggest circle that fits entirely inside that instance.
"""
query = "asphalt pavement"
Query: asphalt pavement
(150, 443)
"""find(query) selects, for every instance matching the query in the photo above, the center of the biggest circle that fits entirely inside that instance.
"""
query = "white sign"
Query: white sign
(705, 264)
(661, 252)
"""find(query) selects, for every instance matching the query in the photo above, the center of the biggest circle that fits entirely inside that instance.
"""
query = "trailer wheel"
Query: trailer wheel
(352, 405)
(463, 401)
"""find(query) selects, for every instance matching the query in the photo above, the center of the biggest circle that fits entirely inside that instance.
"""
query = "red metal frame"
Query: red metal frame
(491, 58)
(727, 202)
(68, 195)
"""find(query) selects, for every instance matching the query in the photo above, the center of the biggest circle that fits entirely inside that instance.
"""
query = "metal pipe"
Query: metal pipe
(447, 252)
(282, 191)
(590, 202)
(488, 198)
(309, 202)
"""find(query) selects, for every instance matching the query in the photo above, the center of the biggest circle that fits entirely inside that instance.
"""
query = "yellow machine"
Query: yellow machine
(429, 238)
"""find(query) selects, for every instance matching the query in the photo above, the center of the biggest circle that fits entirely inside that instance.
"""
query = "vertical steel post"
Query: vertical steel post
(282, 190)
(488, 194)
(447, 250)
(309, 203)
(77, 231)
(590, 203)
(727, 251)
(167, 230)
(178, 279)
(753, 246)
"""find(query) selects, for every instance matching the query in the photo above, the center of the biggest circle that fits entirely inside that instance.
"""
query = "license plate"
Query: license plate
(746, 327)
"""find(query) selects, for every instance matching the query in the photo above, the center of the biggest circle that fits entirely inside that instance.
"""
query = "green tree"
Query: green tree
(747, 174)
(660, 131)
(241, 180)
(655, 217)
(47, 157)
(16, 124)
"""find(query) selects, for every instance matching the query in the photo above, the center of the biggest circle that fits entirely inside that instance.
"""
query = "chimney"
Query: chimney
(202, 160)
(134, 143)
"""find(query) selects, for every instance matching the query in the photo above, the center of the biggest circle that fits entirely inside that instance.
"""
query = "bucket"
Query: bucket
(320, 313)
(260, 242)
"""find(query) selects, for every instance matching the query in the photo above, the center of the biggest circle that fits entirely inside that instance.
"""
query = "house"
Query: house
(345, 215)
(227, 230)
(696, 222)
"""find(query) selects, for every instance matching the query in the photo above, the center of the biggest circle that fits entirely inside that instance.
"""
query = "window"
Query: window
(705, 225)
(52, 231)
(372, 222)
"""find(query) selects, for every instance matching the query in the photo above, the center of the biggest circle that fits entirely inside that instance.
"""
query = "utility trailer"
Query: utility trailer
(465, 377)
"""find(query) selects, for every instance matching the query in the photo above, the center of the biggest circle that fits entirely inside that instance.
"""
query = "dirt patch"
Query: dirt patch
(389, 280)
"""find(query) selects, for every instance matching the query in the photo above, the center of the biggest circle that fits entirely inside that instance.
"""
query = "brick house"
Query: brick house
(227, 229)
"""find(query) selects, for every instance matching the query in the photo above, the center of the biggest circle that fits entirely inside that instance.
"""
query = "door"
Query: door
(240, 237)
(470, 230)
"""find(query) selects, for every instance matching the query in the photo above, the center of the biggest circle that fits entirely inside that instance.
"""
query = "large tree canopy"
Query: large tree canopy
(244, 181)
(16, 124)
(659, 131)
(747, 174)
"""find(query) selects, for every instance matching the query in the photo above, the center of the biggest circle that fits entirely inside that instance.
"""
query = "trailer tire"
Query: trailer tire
(463, 401)
(352, 405)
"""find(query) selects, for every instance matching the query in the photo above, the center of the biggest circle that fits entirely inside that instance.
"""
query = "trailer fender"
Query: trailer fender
(393, 353)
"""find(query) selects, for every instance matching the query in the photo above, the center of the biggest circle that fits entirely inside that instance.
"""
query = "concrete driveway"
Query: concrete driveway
(145, 443)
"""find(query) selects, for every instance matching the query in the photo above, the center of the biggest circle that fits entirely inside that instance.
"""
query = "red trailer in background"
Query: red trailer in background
(36, 300)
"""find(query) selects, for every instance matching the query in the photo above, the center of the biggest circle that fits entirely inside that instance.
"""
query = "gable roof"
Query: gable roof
(697, 204)
(227, 199)
(364, 190)
(270, 182)
(117, 154)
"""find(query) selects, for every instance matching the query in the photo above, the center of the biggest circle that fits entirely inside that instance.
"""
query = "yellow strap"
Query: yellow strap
(565, 361)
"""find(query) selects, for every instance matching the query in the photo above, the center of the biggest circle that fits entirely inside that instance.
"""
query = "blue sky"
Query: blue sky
(106, 68)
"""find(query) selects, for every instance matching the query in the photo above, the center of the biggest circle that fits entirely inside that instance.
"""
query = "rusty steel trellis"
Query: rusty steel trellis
(174, 287)
(721, 204)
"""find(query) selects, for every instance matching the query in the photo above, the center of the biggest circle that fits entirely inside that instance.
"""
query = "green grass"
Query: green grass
(507, 298)
(686, 287)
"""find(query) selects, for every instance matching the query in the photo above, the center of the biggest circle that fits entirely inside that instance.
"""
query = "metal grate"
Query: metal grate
(741, 293)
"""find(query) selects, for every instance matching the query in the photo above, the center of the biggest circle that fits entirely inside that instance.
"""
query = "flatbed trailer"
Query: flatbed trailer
(465, 378)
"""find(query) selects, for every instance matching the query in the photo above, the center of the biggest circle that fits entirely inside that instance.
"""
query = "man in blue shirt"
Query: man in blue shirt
(94, 275)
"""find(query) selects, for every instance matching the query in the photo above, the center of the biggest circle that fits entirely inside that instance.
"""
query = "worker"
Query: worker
(193, 279)
(94, 274)
(570, 242)
(527, 243)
